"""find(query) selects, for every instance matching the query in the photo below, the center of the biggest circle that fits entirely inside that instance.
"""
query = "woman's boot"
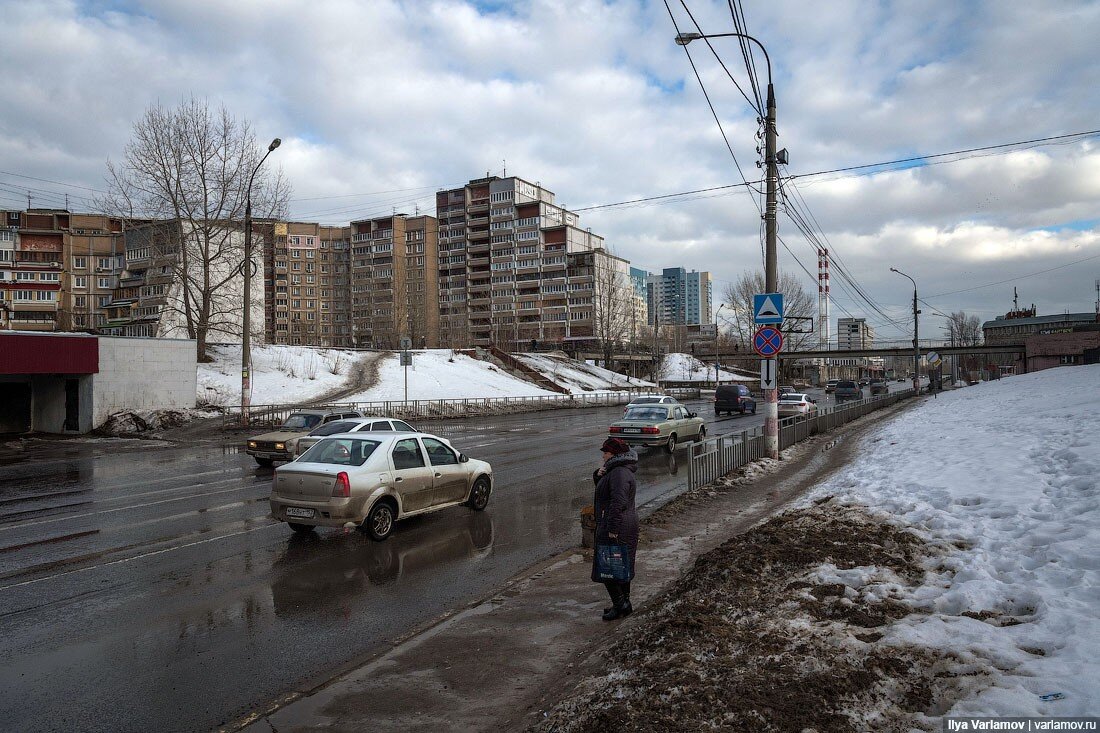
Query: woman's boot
(616, 593)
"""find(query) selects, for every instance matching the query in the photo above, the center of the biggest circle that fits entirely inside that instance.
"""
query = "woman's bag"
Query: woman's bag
(613, 562)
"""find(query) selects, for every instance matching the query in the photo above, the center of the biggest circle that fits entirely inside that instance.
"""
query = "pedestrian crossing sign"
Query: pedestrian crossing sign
(767, 308)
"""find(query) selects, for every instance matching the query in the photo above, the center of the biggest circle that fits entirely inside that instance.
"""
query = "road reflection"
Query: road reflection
(654, 462)
(319, 572)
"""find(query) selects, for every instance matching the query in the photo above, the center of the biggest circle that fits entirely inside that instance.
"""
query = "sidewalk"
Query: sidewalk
(500, 663)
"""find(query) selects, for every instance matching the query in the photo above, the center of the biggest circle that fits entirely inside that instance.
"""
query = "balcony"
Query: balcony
(478, 234)
(478, 261)
(477, 221)
(480, 300)
(478, 248)
(478, 205)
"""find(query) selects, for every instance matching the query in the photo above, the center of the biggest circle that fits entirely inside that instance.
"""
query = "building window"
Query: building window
(24, 276)
(24, 295)
(80, 263)
(1067, 359)
(105, 263)
(45, 295)
(104, 282)
(50, 277)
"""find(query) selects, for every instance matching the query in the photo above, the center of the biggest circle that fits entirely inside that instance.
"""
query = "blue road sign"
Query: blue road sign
(767, 308)
(768, 341)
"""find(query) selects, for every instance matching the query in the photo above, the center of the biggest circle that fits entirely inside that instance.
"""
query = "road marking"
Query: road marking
(124, 508)
(138, 557)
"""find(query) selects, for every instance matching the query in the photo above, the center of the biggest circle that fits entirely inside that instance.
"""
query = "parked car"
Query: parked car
(279, 444)
(830, 386)
(731, 398)
(355, 425)
(658, 425)
(797, 404)
(651, 399)
(879, 386)
(847, 390)
(374, 479)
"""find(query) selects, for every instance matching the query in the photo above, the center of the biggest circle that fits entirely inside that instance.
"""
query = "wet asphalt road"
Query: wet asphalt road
(150, 590)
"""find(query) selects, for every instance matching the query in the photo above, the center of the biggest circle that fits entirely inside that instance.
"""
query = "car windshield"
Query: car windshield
(846, 385)
(332, 428)
(300, 421)
(648, 414)
(644, 400)
(341, 451)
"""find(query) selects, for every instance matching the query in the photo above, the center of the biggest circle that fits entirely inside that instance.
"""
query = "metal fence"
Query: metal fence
(715, 457)
(267, 415)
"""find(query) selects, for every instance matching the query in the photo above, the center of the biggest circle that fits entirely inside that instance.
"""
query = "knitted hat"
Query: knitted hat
(615, 446)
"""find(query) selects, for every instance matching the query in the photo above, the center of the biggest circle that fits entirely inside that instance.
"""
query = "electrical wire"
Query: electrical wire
(1018, 277)
(757, 107)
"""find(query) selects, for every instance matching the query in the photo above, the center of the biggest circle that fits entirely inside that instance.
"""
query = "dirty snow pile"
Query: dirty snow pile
(136, 422)
(1005, 479)
(686, 368)
(281, 375)
(438, 374)
(578, 376)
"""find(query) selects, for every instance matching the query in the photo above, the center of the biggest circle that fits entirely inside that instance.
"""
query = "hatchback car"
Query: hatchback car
(658, 425)
(372, 480)
(355, 425)
(731, 398)
(847, 390)
(279, 444)
(830, 386)
(794, 404)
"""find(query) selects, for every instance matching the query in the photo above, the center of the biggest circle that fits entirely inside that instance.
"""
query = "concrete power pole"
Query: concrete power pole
(771, 274)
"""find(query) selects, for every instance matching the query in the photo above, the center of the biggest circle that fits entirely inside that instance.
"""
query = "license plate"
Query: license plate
(294, 511)
(632, 430)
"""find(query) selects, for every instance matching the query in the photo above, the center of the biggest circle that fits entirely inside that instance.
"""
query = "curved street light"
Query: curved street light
(771, 267)
(916, 345)
(246, 272)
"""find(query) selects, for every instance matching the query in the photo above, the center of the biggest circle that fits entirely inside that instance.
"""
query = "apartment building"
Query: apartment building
(307, 297)
(854, 333)
(57, 269)
(678, 297)
(394, 278)
(514, 267)
(142, 292)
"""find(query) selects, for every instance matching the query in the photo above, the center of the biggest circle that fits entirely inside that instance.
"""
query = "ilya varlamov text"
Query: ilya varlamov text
(1021, 724)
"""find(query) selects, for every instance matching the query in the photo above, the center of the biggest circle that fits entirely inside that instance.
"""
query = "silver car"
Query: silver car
(354, 425)
(658, 425)
(372, 480)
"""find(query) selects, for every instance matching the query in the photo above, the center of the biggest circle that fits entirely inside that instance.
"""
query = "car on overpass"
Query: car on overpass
(655, 426)
(371, 480)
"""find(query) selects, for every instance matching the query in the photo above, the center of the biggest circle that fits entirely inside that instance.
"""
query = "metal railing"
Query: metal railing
(269, 415)
(715, 457)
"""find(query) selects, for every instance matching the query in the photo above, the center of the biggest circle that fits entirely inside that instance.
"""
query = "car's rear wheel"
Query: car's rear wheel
(479, 495)
(744, 409)
(702, 431)
(300, 528)
(670, 444)
(265, 462)
(379, 522)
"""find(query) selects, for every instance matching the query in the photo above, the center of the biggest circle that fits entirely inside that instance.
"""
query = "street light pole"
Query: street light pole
(771, 271)
(246, 272)
(720, 307)
(916, 345)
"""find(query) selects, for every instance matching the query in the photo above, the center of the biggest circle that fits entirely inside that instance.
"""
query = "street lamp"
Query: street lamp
(720, 307)
(771, 270)
(246, 271)
(916, 346)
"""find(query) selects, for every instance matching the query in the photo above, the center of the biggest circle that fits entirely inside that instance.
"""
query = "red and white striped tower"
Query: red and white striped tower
(823, 307)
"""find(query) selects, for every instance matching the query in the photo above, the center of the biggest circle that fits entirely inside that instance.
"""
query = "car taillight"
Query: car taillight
(614, 429)
(343, 485)
(651, 431)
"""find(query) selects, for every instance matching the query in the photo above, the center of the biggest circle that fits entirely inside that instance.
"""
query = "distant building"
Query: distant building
(1019, 325)
(678, 297)
(854, 333)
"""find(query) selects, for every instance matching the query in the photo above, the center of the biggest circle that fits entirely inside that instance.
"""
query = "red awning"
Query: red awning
(27, 353)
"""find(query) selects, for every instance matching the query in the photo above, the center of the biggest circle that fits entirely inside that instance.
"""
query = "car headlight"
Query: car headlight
(280, 446)
(251, 444)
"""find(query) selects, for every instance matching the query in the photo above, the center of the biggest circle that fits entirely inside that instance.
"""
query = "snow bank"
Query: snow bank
(1006, 481)
(578, 376)
(686, 368)
(437, 375)
(280, 374)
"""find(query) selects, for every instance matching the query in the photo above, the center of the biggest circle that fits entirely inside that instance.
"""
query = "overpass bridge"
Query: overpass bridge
(895, 351)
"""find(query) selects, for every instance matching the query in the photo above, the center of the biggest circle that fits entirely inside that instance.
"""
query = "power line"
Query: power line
(1018, 277)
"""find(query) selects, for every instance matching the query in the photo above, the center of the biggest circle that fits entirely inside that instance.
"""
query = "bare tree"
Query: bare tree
(613, 303)
(964, 330)
(191, 164)
(797, 303)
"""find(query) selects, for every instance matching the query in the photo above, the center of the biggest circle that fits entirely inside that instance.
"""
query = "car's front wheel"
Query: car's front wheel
(300, 528)
(670, 444)
(379, 522)
(479, 495)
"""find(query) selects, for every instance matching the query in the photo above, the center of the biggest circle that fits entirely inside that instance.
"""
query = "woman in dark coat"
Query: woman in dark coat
(616, 517)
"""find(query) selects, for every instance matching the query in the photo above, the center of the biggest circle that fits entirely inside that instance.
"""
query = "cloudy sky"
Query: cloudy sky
(380, 103)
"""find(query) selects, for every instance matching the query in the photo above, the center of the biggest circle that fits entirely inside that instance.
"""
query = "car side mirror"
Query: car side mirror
(463, 458)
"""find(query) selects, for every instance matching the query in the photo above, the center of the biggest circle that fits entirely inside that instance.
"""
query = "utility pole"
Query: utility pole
(720, 307)
(916, 344)
(771, 274)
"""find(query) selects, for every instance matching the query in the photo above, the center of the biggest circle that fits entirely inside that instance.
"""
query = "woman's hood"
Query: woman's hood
(628, 459)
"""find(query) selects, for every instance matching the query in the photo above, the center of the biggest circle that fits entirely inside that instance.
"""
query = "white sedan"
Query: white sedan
(795, 404)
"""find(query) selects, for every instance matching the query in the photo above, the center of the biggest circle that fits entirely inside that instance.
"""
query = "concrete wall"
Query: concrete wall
(143, 374)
